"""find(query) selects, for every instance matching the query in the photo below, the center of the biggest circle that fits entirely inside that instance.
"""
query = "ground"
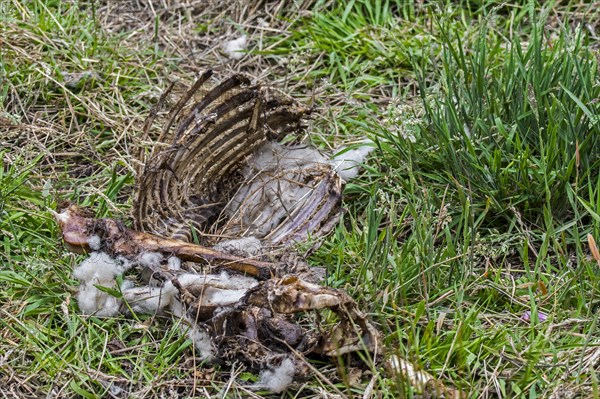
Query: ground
(469, 237)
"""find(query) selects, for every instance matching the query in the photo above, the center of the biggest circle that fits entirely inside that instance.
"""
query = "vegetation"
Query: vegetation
(466, 236)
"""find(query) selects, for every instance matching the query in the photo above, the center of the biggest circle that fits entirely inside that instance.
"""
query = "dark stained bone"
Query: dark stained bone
(77, 229)
(262, 324)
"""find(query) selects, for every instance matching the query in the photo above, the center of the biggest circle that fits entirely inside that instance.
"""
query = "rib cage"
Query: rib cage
(210, 132)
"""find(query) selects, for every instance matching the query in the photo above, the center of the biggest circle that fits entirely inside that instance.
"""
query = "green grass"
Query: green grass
(474, 209)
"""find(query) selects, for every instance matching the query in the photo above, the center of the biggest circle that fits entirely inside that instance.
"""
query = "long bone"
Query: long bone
(78, 228)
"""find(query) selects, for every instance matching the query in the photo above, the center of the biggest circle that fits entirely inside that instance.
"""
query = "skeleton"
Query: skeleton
(223, 174)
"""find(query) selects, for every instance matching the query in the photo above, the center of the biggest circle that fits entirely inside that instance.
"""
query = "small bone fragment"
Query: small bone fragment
(421, 381)
(77, 230)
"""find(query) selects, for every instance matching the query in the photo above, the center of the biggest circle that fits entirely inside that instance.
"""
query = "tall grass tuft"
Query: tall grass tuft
(513, 137)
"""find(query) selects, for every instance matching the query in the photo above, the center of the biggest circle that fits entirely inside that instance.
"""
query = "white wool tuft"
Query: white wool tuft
(98, 270)
(150, 259)
(115, 390)
(99, 266)
(94, 242)
(348, 163)
(124, 264)
(279, 378)
(202, 343)
(174, 263)
(149, 300)
(92, 301)
(177, 309)
(188, 279)
(248, 246)
(234, 48)
(62, 217)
